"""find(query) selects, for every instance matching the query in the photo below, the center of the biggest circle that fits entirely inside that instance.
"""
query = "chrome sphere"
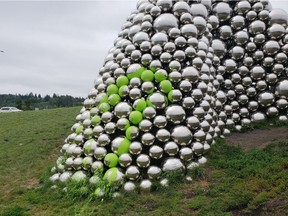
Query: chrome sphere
(145, 125)
(182, 135)
(97, 167)
(157, 100)
(223, 11)
(122, 110)
(143, 161)
(257, 27)
(282, 89)
(278, 16)
(154, 172)
(78, 176)
(258, 116)
(129, 186)
(171, 148)
(193, 122)
(175, 113)
(149, 112)
(271, 47)
(266, 99)
(125, 160)
(172, 164)
(163, 135)
(156, 152)
(135, 148)
(145, 185)
(132, 173)
(100, 153)
(103, 140)
(198, 148)
(186, 154)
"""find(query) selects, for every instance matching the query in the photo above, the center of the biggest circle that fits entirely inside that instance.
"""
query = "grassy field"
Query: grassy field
(234, 182)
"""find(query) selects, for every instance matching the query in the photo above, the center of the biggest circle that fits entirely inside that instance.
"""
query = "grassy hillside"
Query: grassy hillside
(233, 182)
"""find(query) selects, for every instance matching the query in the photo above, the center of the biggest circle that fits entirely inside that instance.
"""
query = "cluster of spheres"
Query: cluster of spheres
(180, 74)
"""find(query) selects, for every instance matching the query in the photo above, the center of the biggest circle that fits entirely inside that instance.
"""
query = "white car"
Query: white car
(10, 109)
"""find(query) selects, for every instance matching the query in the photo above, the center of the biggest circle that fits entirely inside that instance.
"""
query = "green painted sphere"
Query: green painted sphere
(99, 192)
(137, 73)
(124, 146)
(122, 81)
(111, 160)
(104, 107)
(159, 76)
(147, 75)
(166, 86)
(139, 105)
(114, 99)
(135, 117)
(113, 176)
(102, 98)
(121, 91)
(96, 120)
(112, 89)
(79, 129)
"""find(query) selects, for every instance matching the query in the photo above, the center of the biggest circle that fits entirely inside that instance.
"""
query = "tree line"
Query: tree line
(32, 101)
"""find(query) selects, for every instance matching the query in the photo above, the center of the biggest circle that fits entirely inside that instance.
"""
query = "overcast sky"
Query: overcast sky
(59, 46)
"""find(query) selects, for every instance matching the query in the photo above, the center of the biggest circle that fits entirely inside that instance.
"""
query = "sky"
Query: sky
(59, 46)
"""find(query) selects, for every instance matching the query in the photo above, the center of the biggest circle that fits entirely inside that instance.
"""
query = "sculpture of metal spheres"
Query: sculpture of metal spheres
(180, 74)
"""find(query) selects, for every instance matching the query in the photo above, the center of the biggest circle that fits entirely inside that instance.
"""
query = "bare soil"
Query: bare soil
(258, 138)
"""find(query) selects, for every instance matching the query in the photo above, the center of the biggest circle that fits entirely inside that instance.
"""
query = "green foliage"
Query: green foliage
(14, 210)
(31, 101)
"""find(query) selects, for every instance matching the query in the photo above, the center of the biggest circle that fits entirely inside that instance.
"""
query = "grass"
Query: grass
(233, 182)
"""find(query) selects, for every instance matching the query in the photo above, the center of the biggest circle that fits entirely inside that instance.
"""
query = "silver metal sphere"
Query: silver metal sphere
(266, 99)
(182, 135)
(186, 154)
(135, 148)
(145, 185)
(129, 186)
(122, 110)
(100, 153)
(180, 8)
(147, 139)
(154, 172)
(278, 16)
(158, 100)
(172, 164)
(258, 116)
(149, 112)
(156, 152)
(271, 47)
(125, 160)
(171, 148)
(282, 89)
(175, 113)
(143, 161)
(223, 11)
(145, 125)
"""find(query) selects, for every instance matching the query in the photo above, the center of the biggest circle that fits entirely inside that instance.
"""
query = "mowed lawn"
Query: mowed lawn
(29, 144)
(234, 182)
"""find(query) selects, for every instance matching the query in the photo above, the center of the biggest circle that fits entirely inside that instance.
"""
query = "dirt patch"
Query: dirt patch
(258, 138)
(32, 183)
(150, 205)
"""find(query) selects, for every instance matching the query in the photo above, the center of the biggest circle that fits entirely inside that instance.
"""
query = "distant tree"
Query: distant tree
(47, 98)
(28, 104)
(19, 104)
(29, 101)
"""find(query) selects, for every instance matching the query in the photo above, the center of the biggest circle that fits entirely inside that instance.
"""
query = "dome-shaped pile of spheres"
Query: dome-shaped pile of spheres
(180, 74)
